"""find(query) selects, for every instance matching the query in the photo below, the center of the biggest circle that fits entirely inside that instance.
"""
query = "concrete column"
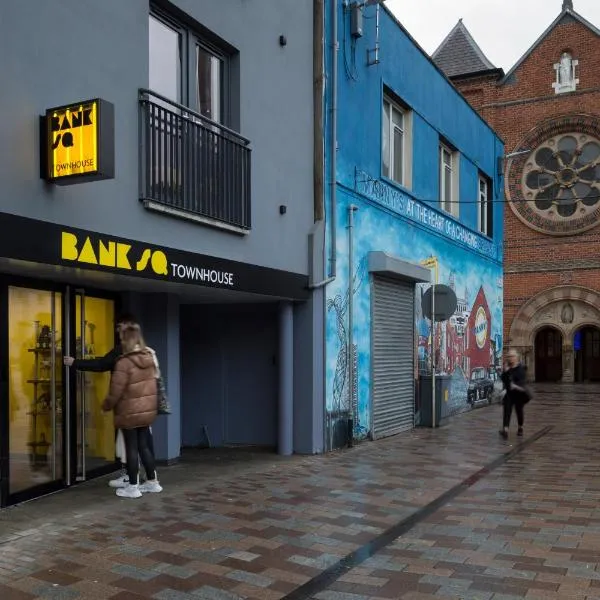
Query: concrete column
(161, 330)
(286, 379)
(309, 367)
(568, 359)
(528, 359)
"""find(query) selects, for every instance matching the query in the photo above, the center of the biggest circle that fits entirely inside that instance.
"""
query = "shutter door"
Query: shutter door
(392, 356)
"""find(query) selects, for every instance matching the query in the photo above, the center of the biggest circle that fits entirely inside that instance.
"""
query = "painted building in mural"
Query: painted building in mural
(414, 200)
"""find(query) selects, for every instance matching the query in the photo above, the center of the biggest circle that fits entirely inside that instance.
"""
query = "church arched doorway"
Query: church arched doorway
(548, 354)
(586, 347)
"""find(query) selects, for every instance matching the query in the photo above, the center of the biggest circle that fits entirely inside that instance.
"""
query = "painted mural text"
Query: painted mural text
(405, 206)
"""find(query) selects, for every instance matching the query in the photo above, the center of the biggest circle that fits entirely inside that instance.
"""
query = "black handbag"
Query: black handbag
(524, 392)
(163, 406)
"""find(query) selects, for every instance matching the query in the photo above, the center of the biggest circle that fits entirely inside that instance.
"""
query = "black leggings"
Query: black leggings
(138, 442)
(507, 412)
(150, 443)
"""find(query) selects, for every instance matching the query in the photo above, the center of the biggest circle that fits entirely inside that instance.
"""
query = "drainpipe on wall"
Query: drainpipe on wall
(319, 75)
(351, 210)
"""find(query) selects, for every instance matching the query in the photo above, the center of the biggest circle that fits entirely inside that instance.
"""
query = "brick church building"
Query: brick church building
(547, 110)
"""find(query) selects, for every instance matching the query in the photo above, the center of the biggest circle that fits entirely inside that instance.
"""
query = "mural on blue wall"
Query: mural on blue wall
(466, 346)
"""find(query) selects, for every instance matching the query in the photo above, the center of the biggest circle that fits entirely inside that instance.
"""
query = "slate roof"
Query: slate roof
(459, 54)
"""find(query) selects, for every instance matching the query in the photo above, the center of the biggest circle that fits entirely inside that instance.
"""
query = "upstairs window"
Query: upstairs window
(165, 60)
(485, 206)
(448, 165)
(186, 68)
(396, 143)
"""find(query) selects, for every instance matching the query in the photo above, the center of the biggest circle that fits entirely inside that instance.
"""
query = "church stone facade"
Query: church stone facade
(547, 110)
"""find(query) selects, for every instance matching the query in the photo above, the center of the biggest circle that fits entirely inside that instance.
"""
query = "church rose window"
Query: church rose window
(553, 182)
(562, 177)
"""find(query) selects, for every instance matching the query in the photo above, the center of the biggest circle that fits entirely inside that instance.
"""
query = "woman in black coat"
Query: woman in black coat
(513, 378)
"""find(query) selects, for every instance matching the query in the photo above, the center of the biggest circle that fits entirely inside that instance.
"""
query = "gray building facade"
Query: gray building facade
(202, 229)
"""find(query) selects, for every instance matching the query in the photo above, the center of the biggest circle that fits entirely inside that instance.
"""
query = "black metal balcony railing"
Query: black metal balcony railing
(191, 164)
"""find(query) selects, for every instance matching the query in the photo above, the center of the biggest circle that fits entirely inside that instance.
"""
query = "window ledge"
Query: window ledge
(397, 185)
(188, 216)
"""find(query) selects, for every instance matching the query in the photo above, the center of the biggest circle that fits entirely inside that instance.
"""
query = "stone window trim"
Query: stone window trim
(520, 199)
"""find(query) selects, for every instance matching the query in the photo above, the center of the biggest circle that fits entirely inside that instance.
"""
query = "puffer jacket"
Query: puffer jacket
(132, 394)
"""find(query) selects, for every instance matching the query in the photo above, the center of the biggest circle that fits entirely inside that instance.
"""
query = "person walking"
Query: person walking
(514, 381)
(133, 398)
(103, 364)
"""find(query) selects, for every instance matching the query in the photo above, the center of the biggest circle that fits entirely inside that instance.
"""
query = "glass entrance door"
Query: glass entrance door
(94, 327)
(53, 431)
(35, 391)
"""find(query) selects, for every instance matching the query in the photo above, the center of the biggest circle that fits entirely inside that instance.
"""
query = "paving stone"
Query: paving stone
(258, 528)
(210, 593)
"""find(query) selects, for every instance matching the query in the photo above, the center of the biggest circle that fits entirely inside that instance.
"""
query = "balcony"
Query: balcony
(192, 167)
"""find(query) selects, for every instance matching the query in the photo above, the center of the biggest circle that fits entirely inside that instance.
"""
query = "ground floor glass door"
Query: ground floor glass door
(35, 389)
(54, 431)
(94, 326)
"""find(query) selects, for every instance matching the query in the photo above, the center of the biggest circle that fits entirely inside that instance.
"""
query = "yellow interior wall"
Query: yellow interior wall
(26, 306)
(100, 434)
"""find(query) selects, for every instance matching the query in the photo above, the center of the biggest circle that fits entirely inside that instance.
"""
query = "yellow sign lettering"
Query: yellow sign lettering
(87, 254)
(68, 250)
(107, 255)
(111, 254)
(73, 140)
(143, 262)
(159, 263)
(122, 260)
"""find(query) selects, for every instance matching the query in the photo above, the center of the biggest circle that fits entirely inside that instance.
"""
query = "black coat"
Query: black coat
(518, 376)
(99, 365)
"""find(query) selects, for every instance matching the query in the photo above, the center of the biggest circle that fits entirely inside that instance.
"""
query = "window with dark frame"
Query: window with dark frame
(393, 142)
(186, 68)
(447, 174)
(485, 206)
(194, 164)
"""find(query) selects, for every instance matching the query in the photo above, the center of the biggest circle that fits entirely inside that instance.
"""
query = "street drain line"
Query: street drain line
(322, 581)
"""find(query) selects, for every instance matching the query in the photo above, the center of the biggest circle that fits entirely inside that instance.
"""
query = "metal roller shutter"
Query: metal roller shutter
(392, 356)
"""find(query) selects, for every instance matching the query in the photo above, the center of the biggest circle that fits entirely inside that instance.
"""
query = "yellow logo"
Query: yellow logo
(481, 327)
(108, 253)
(73, 140)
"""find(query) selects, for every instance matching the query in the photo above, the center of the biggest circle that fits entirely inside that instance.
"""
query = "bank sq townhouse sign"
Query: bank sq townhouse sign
(78, 142)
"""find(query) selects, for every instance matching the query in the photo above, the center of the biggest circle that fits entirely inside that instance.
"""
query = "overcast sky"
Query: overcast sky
(504, 29)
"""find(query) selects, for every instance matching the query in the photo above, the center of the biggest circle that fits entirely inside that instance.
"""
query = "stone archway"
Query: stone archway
(566, 308)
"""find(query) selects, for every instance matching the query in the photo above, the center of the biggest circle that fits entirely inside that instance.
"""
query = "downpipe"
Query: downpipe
(351, 210)
(318, 99)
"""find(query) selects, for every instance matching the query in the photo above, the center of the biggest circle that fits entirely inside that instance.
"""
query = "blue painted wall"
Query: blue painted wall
(406, 223)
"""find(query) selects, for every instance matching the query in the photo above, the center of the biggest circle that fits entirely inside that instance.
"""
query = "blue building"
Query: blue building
(413, 196)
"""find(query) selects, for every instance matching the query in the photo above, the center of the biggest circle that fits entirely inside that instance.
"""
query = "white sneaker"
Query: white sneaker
(151, 487)
(130, 491)
(119, 482)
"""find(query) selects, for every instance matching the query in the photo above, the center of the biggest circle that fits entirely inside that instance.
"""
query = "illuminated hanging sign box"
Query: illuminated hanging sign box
(78, 142)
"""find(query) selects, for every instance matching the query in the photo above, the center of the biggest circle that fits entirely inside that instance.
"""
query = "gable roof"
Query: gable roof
(459, 54)
(567, 15)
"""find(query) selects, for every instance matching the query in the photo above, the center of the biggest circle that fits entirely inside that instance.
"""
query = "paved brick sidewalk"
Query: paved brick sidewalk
(260, 529)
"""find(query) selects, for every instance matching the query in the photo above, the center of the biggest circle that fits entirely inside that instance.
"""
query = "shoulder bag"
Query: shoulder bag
(163, 406)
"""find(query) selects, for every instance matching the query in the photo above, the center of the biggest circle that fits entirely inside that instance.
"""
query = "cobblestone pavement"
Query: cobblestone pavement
(450, 513)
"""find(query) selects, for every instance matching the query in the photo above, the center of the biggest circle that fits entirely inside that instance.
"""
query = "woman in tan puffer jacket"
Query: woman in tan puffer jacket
(133, 399)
